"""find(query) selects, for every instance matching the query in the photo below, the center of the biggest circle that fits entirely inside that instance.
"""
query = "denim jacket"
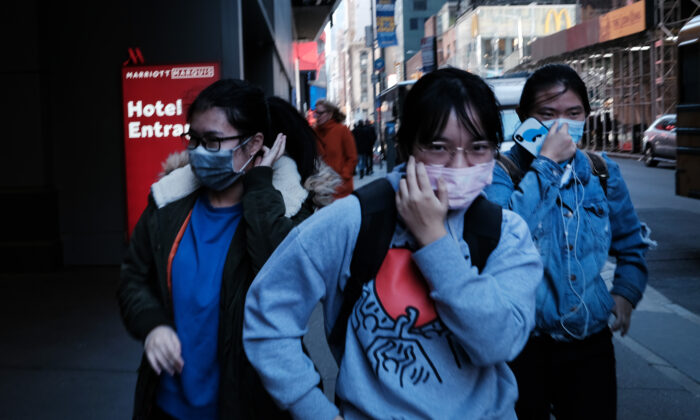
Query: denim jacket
(575, 227)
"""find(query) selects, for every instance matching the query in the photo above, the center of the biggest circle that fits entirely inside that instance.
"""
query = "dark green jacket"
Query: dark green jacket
(145, 300)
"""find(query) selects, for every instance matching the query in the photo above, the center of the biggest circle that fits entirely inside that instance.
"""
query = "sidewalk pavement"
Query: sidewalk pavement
(625, 155)
(65, 354)
(658, 361)
(377, 172)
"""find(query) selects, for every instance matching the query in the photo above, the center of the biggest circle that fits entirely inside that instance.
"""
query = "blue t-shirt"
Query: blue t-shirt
(196, 286)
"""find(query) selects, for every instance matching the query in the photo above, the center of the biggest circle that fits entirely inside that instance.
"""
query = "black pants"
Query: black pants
(572, 380)
(159, 414)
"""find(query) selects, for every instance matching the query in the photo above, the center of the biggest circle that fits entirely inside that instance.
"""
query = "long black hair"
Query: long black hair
(249, 112)
(301, 138)
(434, 96)
(548, 76)
(242, 102)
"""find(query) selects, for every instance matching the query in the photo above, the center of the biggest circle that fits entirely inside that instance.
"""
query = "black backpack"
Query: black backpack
(598, 167)
(482, 231)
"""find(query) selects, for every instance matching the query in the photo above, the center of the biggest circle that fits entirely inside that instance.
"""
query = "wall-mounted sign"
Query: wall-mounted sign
(621, 22)
(155, 103)
(427, 49)
(386, 28)
(561, 18)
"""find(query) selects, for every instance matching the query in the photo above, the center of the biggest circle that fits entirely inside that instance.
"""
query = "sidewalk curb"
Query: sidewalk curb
(660, 364)
(623, 155)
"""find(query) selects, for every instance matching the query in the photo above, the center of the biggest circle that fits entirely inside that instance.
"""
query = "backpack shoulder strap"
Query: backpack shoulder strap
(482, 229)
(378, 209)
(599, 168)
(510, 167)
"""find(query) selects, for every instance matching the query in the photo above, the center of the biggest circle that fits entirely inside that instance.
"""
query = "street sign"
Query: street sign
(386, 27)
(379, 64)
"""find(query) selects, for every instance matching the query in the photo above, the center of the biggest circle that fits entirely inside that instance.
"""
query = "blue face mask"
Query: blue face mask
(215, 170)
(575, 127)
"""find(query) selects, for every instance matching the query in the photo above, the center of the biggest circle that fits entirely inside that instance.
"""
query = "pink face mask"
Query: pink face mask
(463, 184)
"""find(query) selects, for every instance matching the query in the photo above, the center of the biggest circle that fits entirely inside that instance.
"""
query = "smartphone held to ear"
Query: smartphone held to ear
(531, 134)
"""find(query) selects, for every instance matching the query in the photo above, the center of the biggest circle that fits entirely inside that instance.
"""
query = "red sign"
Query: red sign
(155, 105)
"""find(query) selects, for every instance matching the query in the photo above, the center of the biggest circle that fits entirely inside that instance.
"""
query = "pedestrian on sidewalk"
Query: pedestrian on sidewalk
(358, 132)
(207, 230)
(336, 143)
(578, 215)
(369, 150)
(428, 335)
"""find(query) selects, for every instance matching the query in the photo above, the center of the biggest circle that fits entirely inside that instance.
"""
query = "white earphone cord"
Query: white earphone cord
(577, 211)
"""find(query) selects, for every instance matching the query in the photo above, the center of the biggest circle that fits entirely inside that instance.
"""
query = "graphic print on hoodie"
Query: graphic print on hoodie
(396, 323)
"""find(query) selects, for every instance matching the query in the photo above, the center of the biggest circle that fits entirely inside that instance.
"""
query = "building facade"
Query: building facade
(349, 62)
(490, 38)
(65, 183)
(411, 16)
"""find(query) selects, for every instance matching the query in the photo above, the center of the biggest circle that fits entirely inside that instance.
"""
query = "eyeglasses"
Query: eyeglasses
(442, 153)
(212, 144)
(317, 112)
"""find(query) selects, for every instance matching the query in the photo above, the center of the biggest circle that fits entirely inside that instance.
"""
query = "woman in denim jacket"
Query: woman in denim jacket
(568, 364)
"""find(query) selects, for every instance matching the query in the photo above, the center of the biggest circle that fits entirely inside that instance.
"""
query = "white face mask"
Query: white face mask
(463, 184)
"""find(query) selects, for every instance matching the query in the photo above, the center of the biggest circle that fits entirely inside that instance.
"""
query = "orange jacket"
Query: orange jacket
(337, 148)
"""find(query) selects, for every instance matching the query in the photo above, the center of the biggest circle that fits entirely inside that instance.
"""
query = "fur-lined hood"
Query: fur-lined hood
(177, 180)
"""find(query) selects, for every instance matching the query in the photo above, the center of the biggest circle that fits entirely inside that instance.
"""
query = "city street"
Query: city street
(222, 78)
(674, 265)
(65, 354)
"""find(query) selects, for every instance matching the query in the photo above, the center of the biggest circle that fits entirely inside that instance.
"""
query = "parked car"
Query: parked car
(507, 90)
(659, 141)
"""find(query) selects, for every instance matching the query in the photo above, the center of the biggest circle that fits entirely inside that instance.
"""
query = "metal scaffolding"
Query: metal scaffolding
(631, 81)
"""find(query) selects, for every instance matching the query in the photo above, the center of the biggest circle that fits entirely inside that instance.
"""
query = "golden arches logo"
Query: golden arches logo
(557, 17)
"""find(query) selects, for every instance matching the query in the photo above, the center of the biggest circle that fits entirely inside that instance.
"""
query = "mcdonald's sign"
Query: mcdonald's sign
(553, 15)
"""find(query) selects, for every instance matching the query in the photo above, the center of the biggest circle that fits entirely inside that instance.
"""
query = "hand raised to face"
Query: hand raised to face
(271, 155)
(422, 210)
(558, 145)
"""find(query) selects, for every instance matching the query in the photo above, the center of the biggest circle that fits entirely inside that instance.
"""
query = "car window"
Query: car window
(670, 126)
(510, 121)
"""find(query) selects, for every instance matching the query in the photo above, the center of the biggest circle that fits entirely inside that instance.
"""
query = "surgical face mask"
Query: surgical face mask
(215, 170)
(463, 184)
(575, 127)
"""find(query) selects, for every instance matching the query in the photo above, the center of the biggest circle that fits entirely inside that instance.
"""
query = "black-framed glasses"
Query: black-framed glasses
(442, 153)
(210, 143)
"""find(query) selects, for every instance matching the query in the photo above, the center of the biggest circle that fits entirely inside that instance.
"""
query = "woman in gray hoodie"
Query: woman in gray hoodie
(431, 333)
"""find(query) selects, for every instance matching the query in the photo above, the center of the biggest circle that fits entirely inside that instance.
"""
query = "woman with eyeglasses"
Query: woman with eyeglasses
(207, 230)
(578, 215)
(429, 334)
(336, 143)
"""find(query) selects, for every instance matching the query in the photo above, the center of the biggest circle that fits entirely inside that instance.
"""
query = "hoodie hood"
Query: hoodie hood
(179, 181)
